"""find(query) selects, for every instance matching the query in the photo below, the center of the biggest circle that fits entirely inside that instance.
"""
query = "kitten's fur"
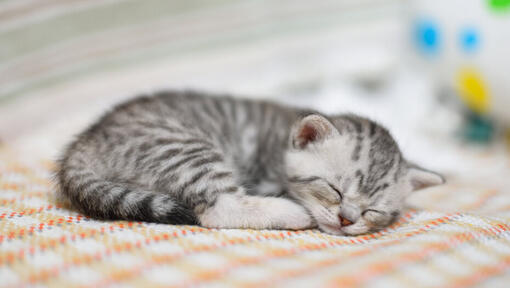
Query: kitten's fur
(187, 158)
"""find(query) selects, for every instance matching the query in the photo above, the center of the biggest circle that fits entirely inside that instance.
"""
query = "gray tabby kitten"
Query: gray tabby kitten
(219, 162)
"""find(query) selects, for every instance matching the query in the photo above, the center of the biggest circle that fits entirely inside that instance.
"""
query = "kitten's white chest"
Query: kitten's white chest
(268, 188)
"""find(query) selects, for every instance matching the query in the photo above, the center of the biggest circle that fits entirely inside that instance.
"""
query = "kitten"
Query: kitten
(219, 162)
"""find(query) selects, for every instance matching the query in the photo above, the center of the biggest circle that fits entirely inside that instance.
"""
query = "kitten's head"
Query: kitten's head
(350, 174)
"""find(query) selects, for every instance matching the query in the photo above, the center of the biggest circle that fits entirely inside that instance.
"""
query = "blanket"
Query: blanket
(44, 243)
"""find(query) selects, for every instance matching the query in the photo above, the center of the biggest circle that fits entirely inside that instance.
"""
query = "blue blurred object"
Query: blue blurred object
(469, 39)
(428, 37)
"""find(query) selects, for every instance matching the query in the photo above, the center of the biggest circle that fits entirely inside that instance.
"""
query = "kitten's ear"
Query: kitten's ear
(421, 178)
(311, 129)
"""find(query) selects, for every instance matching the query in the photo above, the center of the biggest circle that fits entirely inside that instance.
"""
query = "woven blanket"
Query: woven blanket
(43, 243)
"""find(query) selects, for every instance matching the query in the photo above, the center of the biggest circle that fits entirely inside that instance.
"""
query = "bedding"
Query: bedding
(446, 242)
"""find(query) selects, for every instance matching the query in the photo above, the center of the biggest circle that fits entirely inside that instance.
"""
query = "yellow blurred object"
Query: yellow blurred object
(473, 91)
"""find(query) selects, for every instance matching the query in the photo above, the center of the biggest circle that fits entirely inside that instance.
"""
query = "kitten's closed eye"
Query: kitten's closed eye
(319, 188)
(336, 190)
(327, 193)
(375, 217)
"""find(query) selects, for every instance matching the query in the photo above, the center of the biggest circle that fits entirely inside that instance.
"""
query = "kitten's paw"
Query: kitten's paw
(289, 215)
(234, 211)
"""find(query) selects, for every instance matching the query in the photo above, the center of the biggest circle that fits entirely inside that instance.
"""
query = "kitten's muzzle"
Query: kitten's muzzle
(345, 221)
(348, 214)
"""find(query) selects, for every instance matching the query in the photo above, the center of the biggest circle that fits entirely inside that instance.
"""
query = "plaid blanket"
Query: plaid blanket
(43, 243)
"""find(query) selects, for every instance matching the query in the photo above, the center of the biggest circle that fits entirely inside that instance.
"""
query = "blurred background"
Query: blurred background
(437, 73)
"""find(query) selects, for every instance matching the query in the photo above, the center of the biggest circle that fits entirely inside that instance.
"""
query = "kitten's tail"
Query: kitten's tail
(104, 199)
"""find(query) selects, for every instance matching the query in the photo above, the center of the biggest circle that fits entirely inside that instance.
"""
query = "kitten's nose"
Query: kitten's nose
(348, 214)
(344, 221)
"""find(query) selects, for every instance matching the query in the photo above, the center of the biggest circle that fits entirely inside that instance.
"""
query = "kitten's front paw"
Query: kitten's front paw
(293, 217)
(234, 211)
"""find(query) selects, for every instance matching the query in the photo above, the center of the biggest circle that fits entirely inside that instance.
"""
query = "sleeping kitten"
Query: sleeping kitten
(187, 158)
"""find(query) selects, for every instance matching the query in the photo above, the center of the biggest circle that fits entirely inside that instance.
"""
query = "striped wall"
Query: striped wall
(47, 42)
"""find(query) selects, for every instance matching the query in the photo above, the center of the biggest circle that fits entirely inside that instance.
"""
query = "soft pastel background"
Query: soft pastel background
(435, 72)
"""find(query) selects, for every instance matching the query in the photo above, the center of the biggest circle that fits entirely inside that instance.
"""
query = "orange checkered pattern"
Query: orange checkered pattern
(42, 243)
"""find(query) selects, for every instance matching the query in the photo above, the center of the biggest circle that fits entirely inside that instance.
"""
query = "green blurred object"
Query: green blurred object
(478, 129)
(499, 5)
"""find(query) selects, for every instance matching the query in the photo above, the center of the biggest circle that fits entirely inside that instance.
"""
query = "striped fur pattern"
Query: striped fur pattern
(219, 162)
